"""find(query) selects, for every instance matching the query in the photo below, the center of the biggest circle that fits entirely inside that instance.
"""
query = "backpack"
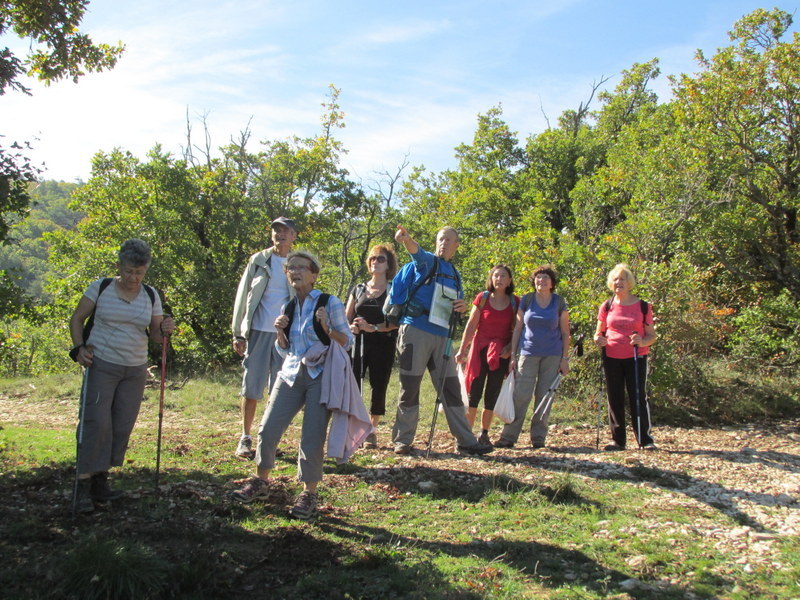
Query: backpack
(87, 328)
(404, 288)
(322, 300)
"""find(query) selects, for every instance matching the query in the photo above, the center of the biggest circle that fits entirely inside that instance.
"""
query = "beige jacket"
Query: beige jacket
(251, 289)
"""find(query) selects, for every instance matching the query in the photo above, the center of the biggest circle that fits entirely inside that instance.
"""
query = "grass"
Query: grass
(391, 527)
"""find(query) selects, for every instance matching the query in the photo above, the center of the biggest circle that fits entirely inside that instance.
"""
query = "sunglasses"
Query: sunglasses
(379, 258)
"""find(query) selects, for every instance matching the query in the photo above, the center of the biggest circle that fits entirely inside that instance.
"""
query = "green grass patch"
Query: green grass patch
(523, 525)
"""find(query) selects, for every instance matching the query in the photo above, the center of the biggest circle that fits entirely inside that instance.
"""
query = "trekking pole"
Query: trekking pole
(550, 394)
(600, 396)
(448, 348)
(79, 438)
(161, 404)
(638, 403)
(361, 361)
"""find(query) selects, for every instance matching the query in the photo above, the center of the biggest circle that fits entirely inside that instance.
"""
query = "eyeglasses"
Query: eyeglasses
(297, 268)
(377, 258)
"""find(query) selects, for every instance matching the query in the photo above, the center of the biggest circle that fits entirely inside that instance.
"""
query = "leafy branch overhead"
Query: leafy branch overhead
(58, 49)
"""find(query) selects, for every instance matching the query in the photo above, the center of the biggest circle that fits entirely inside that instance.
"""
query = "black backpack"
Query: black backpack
(291, 306)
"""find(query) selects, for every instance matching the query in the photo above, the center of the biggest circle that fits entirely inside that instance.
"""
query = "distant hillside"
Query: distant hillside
(25, 255)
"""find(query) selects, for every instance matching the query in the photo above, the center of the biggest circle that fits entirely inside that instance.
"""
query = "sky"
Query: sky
(413, 76)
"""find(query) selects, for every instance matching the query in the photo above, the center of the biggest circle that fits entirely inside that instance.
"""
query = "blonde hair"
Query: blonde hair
(617, 270)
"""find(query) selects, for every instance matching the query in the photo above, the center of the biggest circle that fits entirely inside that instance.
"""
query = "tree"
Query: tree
(58, 48)
(740, 119)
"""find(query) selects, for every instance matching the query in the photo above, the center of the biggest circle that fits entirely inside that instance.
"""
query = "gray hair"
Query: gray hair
(315, 264)
(135, 252)
(447, 228)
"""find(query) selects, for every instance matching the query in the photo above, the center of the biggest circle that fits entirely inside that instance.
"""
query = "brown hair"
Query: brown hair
(490, 285)
(546, 270)
(391, 258)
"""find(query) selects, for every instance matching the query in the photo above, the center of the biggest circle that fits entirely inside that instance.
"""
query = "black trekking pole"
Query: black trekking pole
(600, 396)
(448, 348)
(79, 438)
(361, 369)
(161, 404)
(638, 399)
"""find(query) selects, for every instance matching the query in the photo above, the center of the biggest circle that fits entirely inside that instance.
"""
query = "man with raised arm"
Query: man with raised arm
(423, 339)
(262, 293)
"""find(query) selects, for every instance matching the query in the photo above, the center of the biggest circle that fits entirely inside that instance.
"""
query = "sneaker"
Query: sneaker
(403, 449)
(476, 449)
(254, 488)
(100, 491)
(484, 439)
(371, 442)
(537, 445)
(650, 446)
(305, 506)
(613, 447)
(245, 448)
(82, 503)
(503, 443)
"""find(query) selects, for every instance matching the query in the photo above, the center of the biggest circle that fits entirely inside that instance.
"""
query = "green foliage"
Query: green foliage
(107, 569)
(698, 194)
(768, 330)
(58, 49)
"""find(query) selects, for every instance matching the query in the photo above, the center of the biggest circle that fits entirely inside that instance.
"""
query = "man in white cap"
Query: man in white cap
(263, 291)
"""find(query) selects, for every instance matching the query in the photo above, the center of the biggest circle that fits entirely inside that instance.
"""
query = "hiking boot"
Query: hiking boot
(82, 502)
(476, 449)
(101, 491)
(254, 488)
(484, 439)
(613, 447)
(503, 443)
(371, 442)
(403, 449)
(305, 506)
(245, 448)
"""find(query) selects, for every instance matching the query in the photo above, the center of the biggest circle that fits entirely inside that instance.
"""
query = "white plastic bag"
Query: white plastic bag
(463, 381)
(504, 408)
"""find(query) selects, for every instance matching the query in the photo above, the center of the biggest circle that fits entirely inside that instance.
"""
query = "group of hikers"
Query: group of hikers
(309, 351)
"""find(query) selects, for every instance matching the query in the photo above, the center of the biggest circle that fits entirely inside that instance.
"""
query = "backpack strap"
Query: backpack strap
(484, 298)
(291, 306)
(87, 329)
(526, 301)
(643, 306)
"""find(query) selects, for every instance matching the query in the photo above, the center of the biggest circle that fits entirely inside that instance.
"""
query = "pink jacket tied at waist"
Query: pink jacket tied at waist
(473, 366)
(350, 423)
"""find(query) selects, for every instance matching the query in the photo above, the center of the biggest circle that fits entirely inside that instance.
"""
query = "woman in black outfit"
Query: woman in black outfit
(375, 339)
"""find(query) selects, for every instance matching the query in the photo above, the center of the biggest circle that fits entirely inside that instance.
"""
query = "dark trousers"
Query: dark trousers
(378, 360)
(493, 381)
(621, 378)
